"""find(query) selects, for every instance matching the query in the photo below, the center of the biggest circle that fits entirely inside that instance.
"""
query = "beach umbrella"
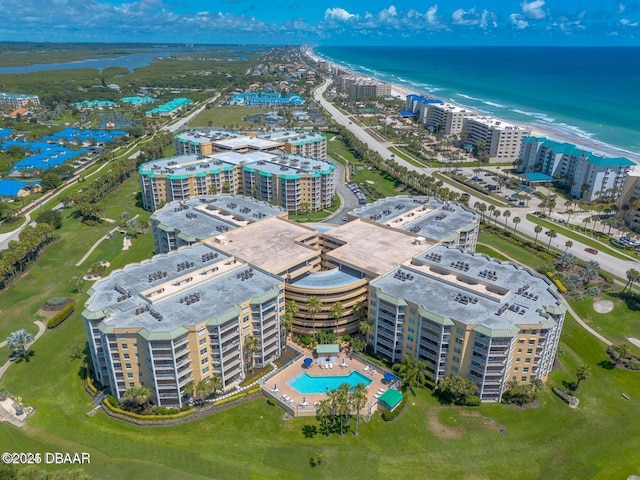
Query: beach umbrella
(308, 361)
(388, 377)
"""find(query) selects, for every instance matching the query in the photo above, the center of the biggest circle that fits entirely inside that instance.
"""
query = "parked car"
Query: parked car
(591, 250)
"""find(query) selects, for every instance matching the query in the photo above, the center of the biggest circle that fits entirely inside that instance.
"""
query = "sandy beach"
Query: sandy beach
(553, 133)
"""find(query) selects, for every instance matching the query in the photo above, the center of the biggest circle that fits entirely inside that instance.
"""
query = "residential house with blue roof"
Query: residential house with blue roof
(589, 175)
(17, 188)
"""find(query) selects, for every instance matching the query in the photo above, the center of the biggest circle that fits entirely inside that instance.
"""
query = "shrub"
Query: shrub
(607, 277)
(91, 386)
(185, 408)
(346, 338)
(165, 410)
(305, 340)
(633, 364)
(113, 401)
(389, 415)
(561, 287)
(257, 376)
(471, 401)
(61, 316)
(566, 396)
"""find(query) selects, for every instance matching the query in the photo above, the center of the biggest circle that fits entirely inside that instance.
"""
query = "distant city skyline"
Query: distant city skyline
(338, 22)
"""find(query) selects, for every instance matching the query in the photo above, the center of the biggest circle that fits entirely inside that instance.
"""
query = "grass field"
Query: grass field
(225, 116)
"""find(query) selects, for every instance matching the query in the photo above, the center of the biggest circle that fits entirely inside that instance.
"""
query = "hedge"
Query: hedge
(389, 415)
(561, 287)
(254, 378)
(90, 385)
(107, 404)
(471, 401)
(61, 316)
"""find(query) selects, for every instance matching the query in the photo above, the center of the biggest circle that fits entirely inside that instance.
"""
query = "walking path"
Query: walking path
(41, 329)
(99, 241)
(571, 311)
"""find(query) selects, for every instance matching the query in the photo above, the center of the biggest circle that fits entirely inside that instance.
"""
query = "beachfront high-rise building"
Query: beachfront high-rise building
(293, 182)
(500, 140)
(362, 87)
(467, 315)
(446, 118)
(306, 144)
(180, 318)
(629, 202)
(16, 100)
(589, 175)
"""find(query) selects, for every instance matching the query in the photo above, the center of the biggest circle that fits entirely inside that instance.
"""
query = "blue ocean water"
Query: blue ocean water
(591, 92)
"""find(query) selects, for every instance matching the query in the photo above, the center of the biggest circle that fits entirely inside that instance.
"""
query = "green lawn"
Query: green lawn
(227, 115)
(486, 198)
(577, 236)
(406, 157)
(508, 249)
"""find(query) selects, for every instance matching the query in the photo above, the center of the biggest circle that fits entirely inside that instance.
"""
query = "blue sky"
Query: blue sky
(336, 22)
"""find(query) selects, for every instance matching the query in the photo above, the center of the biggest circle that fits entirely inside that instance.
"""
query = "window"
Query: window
(203, 351)
(527, 360)
(457, 349)
(534, 332)
(136, 355)
(126, 356)
(135, 345)
(518, 360)
(412, 320)
(458, 341)
(410, 338)
(131, 384)
(525, 369)
(532, 342)
(129, 375)
(245, 318)
(202, 331)
(202, 341)
(521, 340)
(411, 329)
(412, 310)
(124, 346)
(459, 331)
(128, 366)
(523, 379)
(456, 359)
(205, 370)
(204, 361)
(516, 369)
(529, 351)
(454, 368)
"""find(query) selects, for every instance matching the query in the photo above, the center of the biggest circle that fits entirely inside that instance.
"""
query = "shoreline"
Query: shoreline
(558, 134)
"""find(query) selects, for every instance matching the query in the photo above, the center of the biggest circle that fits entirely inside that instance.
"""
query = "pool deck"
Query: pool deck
(280, 379)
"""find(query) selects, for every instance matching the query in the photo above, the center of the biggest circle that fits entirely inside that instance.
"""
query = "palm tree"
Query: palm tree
(551, 234)
(582, 373)
(77, 281)
(19, 341)
(251, 345)
(323, 410)
(290, 311)
(136, 397)
(358, 400)
(482, 208)
(516, 221)
(506, 214)
(568, 244)
(537, 229)
(413, 372)
(342, 405)
(313, 307)
(633, 276)
(337, 311)
(496, 213)
(216, 384)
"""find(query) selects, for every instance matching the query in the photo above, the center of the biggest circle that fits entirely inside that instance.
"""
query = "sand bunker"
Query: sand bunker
(603, 306)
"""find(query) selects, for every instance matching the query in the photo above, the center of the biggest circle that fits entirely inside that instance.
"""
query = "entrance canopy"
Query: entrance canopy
(391, 398)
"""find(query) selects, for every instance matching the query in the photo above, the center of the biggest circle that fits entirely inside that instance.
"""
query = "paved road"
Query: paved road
(608, 263)
(348, 200)
(174, 127)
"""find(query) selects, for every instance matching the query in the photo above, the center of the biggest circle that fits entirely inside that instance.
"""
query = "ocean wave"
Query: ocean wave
(469, 97)
(493, 104)
(543, 117)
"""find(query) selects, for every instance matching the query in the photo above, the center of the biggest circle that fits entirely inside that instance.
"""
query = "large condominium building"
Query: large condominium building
(629, 202)
(206, 142)
(362, 87)
(500, 140)
(180, 318)
(468, 315)
(293, 182)
(186, 315)
(448, 224)
(16, 100)
(446, 118)
(589, 175)
(306, 144)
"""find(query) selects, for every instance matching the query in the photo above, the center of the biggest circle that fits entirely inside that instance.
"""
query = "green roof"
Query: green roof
(611, 162)
(391, 398)
(328, 348)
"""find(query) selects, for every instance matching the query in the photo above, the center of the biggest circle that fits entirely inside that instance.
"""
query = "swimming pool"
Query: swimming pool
(305, 383)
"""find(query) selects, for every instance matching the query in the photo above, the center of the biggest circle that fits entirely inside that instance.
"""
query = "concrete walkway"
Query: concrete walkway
(569, 309)
(98, 242)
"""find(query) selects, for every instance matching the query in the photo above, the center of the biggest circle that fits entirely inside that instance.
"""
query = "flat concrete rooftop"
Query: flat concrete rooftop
(372, 248)
(423, 216)
(168, 285)
(471, 289)
(203, 217)
(272, 244)
(292, 165)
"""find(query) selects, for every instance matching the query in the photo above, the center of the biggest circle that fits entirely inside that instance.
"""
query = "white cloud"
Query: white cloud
(628, 23)
(338, 14)
(388, 14)
(533, 9)
(472, 17)
(431, 16)
(621, 8)
(518, 22)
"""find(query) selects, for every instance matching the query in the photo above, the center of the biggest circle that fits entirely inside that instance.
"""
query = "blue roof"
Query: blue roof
(562, 148)
(5, 132)
(10, 188)
(406, 113)
(538, 177)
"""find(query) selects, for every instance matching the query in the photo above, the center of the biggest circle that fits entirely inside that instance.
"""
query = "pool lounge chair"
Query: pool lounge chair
(366, 369)
(330, 365)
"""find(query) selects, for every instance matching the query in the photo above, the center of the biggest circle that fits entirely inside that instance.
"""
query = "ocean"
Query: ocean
(587, 92)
